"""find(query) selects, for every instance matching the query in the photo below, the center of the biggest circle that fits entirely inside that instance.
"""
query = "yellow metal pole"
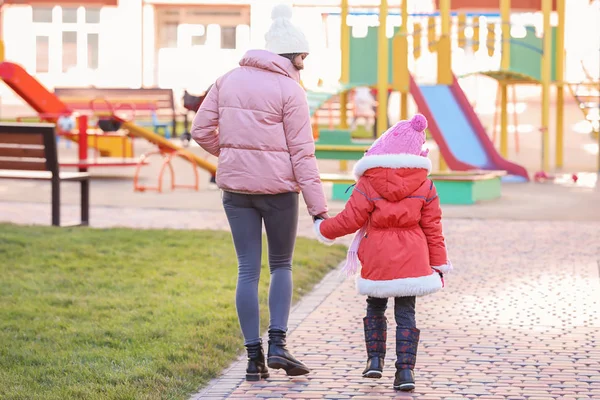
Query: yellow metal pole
(403, 70)
(490, 41)
(442, 163)
(345, 78)
(444, 46)
(417, 40)
(476, 39)
(444, 60)
(546, 60)
(431, 40)
(1, 34)
(560, 77)
(343, 165)
(505, 16)
(503, 119)
(462, 25)
(504, 66)
(382, 69)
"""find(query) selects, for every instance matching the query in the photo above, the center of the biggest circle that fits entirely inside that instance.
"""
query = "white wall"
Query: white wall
(17, 36)
(119, 49)
(121, 46)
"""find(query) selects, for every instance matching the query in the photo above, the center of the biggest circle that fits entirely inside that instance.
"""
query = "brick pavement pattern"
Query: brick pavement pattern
(519, 319)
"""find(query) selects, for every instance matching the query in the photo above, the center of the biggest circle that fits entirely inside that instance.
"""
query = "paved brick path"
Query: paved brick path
(520, 318)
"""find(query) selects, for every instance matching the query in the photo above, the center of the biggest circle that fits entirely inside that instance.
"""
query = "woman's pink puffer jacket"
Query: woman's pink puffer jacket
(264, 139)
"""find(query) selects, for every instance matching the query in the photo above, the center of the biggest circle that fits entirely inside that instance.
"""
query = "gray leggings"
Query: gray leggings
(246, 214)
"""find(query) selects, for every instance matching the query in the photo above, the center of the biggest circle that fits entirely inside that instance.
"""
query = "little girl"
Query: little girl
(396, 211)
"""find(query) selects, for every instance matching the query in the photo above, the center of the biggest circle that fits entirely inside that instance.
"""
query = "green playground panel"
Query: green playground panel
(468, 192)
(526, 55)
(339, 155)
(339, 137)
(489, 189)
(363, 58)
(450, 191)
(341, 192)
(335, 137)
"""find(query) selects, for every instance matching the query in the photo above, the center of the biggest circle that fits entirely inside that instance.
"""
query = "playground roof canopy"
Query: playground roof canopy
(521, 5)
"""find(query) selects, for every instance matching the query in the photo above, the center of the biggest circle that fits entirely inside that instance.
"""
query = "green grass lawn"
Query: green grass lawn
(124, 314)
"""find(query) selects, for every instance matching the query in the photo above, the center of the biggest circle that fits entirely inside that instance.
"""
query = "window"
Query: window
(169, 35)
(92, 15)
(76, 32)
(92, 50)
(228, 37)
(41, 54)
(198, 40)
(69, 15)
(69, 47)
(42, 14)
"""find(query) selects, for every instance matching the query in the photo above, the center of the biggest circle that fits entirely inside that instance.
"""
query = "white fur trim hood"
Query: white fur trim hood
(391, 161)
(420, 286)
(320, 237)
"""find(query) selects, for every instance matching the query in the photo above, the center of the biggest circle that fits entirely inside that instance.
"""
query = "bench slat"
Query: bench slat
(162, 97)
(43, 175)
(101, 162)
(20, 138)
(28, 152)
(22, 164)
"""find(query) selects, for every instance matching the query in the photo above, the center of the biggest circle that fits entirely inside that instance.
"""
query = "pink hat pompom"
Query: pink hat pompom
(418, 123)
(405, 137)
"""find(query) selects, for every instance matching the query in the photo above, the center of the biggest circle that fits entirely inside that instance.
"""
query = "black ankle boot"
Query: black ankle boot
(375, 337)
(407, 342)
(280, 358)
(256, 368)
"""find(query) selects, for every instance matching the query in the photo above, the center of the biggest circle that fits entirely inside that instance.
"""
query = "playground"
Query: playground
(514, 145)
(477, 153)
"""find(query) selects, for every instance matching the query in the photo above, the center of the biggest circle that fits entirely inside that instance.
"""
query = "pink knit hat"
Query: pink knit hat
(406, 137)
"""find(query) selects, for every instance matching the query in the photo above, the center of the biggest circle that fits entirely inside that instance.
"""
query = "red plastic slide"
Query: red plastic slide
(458, 132)
(31, 90)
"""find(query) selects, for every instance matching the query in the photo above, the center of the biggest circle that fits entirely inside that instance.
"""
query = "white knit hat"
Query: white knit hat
(283, 37)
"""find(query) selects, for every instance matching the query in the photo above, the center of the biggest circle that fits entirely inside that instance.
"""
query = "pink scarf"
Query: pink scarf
(352, 262)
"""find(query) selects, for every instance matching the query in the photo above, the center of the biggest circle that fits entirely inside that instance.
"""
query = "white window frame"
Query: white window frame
(54, 31)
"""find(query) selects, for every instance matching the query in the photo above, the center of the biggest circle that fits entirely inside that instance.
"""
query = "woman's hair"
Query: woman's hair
(291, 57)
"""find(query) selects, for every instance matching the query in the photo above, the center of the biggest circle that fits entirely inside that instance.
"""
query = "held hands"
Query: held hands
(318, 220)
(320, 216)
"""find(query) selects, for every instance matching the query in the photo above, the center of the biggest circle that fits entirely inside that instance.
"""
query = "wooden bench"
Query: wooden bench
(154, 104)
(28, 152)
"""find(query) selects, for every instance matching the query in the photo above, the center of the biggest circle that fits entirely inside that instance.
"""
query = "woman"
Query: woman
(266, 156)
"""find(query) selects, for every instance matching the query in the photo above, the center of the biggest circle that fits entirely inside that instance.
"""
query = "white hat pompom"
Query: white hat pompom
(282, 11)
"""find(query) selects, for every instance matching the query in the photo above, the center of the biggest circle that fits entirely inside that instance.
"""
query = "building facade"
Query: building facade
(130, 43)
(187, 44)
